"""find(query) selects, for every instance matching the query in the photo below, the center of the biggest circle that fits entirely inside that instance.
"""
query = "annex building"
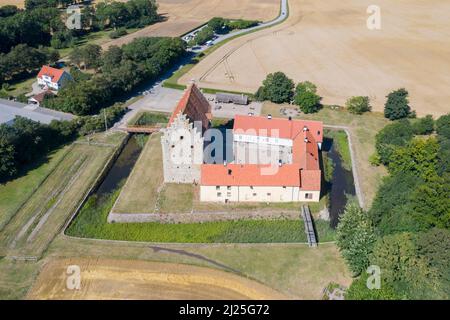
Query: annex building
(274, 159)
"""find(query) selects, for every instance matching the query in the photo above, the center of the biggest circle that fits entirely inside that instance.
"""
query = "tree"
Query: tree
(418, 157)
(277, 87)
(404, 269)
(391, 137)
(358, 105)
(434, 246)
(423, 125)
(355, 238)
(443, 126)
(397, 105)
(217, 24)
(306, 97)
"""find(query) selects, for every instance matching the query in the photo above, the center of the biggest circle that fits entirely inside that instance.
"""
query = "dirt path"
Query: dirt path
(132, 279)
(328, 43)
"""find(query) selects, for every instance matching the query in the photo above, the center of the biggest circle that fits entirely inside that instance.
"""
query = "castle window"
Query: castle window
(181, 137)
(308, 196)
(219, 194)
(228, 194)
(254, 194)
(228, 187)
(217, 187)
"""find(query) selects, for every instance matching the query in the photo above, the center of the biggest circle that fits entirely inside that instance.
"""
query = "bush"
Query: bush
(397, 106)
(306, 97)
(423, 125)
(203, 36)
(358, 105)
(277, 87)
(120, 32)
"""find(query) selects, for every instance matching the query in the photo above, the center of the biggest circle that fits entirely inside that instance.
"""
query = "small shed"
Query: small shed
(222, 97)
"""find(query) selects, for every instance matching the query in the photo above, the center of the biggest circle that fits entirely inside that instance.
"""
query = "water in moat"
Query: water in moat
(341, 185)
(121, 168)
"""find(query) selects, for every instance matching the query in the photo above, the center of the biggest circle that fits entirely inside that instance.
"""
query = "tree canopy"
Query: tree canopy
(397, 105)
(277, 87)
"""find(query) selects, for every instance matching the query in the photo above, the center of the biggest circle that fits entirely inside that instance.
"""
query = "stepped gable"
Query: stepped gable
(194, 105)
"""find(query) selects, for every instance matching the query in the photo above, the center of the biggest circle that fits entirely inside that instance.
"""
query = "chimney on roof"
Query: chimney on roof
(290, 118)
(306, 140)
(230, 172)
(305, 128)
(269, 116)
(280, 163)
(225, 163)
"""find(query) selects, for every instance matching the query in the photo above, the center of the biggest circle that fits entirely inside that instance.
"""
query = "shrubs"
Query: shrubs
(397, 105)
(277, 87)
(358, 105)
(203, 36)
(306, 97)
(120, 32)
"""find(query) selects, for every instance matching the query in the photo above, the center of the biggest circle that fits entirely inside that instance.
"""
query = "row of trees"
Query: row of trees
(43, 23)
(278, 88)
(23, 60)
(120, 70)
(406, 232)
(26, 141)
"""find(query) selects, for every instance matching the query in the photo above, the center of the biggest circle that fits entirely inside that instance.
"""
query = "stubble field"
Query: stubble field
(181, 16)
(131, 279)
(328, 43)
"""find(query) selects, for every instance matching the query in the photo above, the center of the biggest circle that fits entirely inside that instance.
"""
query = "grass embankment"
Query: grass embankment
(363, 129)
(14, 193)
(147, 118)
(91, 222)
(43, 214)
(340, 141)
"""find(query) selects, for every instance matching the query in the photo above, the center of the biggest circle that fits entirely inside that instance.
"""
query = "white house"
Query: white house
(52, 78)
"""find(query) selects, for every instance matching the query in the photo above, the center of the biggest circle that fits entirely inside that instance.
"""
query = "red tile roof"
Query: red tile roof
(250, 175)
(194, 105)
(304, 172)
(277, 127)
(53, 73)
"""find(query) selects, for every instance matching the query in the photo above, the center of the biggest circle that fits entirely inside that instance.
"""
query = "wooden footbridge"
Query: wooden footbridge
(309, 227)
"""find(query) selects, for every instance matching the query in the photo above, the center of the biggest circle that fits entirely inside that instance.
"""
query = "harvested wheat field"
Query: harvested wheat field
(181, 16)
(133, 279)
(327, 42)
(17, 3)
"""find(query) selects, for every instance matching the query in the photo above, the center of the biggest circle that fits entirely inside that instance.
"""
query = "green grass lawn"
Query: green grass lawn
(40, 216)
(147, 118)
(14, 193)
